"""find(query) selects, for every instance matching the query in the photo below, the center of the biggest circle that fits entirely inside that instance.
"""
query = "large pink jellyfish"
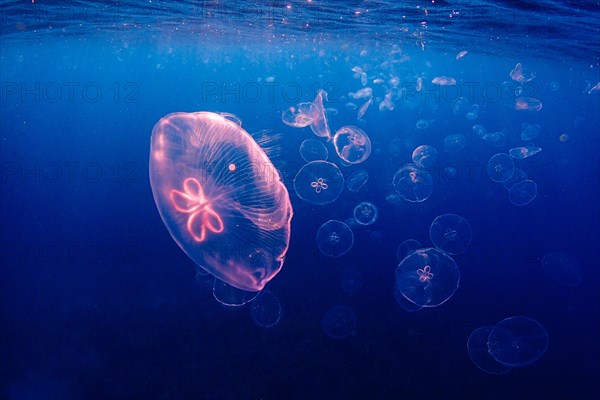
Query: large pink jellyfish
(220, 197)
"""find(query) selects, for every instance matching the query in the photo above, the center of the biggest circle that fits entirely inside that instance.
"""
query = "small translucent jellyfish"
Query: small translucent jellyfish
(528, 104)
(460, 106)
(352, 144)
(451, 233)
(427, 277)
(313, 150)
(454, 143)
(319, 124)
(334, 238)
(461, 54)
(407, 247)
(554, 86)
(300, 115)
(363, 109)
(563, 138)
(500, 167)
(361, 93)
(522, 192)
(473, 112)
(351, 281)
(479, 131)
(350, 106)
(393, 198)
(339, 322)
(425, 156)
(477, 347)
(498, 139)
(357, 180)
(530, 131)
(265, 310)
(422, 124)
(444, 81)
(594, 88)
(517, 176)
(387, 103)
(366, 213)
(563, 268)
(412, 184)
(206, 174)
(517, 74)
(319, 182)
(517, 341)
(450, 173)
(519, 153)
(230, 296)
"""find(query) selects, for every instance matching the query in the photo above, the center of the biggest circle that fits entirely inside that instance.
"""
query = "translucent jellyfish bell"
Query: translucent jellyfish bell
(206, 174)
(319, 182)
(352, 144)
(500, 167)
(427, 277)
(518, 341)
(265, 309)
(319, 125)
(451, 233)
(300, 115)
(522, 192)
(334, 238)
(313, 150)
(366, 213)
(477, 347)
(425, 156)
(413, 184)
(454, 143)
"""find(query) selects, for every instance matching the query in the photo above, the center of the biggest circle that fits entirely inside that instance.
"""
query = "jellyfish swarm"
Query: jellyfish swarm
(427, 277)
(220, 197)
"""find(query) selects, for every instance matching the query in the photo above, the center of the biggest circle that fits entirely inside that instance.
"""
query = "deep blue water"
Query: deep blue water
(98, 302)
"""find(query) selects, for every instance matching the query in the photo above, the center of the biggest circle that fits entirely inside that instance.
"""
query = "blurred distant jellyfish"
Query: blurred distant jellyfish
(528, 104)
(319, 124)
(319, 182)
(334, 238)
(460, 106)
(407, 247)
(299, 116)
(554, 86)
(500, 167)
(451, 233)
(422, 124)
(450, 173)
(517, 341)
(207, 174)
(517, 74)
(473, 112)
(563, 138)
(522, 192)
(357, 180)
(498, 139)
(530, 131)
(366, 213)
(393, 198)
(339, 322)
(265, 310)
(351, 281)
(479, 131)
(352, 144)
(444, 81)
(413, 184)
(563, 268)
(454, 143)
(461, 54)
(313, 150)
(425, 156)
(477, 346)
(519, 153)
(427, 277)
(230, 296)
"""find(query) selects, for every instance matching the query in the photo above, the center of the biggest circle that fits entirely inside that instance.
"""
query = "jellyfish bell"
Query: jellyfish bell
(207, 175)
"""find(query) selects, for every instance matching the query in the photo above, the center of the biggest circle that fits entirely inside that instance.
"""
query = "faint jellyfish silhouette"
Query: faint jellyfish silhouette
(352, 144)
(357, 180)
(477, 347)
(554, 86)
(500, 167)
(563, 138)
(517, 341)
(451, 233)
(530, 131)
(450, 173)
(473, 112)
(422, 124)
(313, 150)
(350, 106)
(230, 296)
(425, 156)
(563, 268)
(413, 184)
(319, 124)
(265, 310)
(366, 213)
(528, 104)
(339, 322)
(300, 115)
(206, 173)
(444, 81)
(319, 182)
(460, 106)
(518, 176)
(334, 238)
(519, 153)
(393, 198)
(351, 281)
(479, 131)
(454, 143)
(498, 139)
(522, 192)
(407, 247)
(427, 277)
(517, 74)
